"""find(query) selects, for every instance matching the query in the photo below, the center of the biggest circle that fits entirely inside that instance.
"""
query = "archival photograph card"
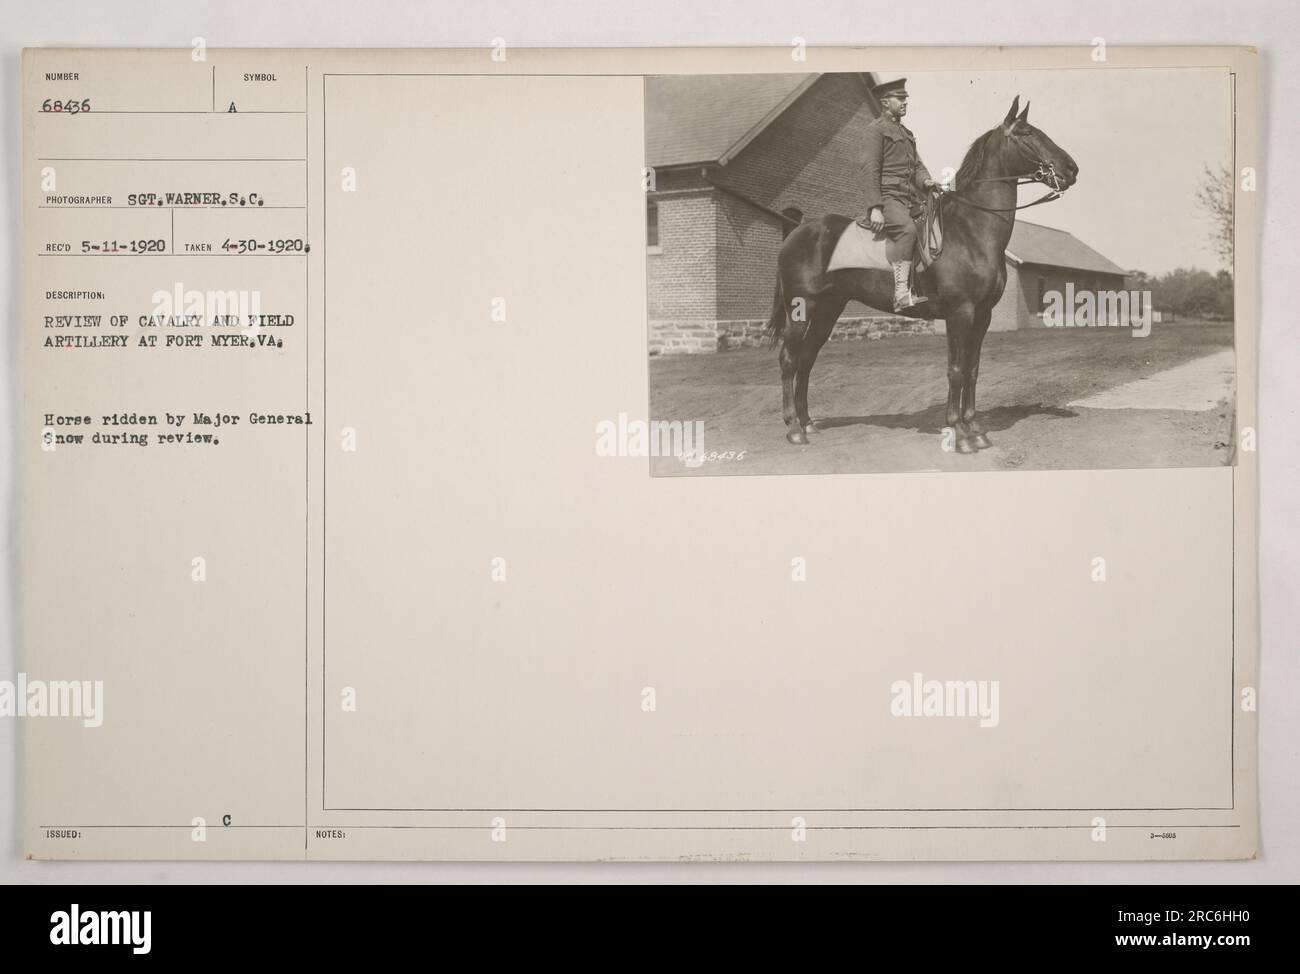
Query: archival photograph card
(711, 455)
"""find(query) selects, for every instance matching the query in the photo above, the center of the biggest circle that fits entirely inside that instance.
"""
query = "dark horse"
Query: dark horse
(962, 285)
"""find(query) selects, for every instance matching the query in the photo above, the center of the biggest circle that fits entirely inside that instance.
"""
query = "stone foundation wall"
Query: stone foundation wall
(689, 336)
(693, 336)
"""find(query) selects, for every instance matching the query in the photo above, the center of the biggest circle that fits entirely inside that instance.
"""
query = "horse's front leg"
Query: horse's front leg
(980, 327)
(959, 323)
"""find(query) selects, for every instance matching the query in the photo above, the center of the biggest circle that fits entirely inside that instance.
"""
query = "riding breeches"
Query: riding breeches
(900, 230)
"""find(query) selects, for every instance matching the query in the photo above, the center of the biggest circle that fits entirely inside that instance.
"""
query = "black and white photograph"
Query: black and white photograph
(881, 272)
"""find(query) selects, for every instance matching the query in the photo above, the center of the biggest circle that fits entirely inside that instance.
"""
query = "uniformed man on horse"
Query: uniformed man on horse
(896, 183)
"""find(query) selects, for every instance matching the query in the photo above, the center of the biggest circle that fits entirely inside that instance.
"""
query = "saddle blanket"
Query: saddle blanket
(859, 248)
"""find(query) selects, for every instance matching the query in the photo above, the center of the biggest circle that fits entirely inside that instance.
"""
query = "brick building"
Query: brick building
(731, 155)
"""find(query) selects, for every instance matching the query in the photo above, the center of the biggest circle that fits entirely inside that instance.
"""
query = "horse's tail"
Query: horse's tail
(776, 323)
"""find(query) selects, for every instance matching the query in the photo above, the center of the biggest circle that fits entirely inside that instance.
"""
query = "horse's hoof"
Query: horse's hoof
(797, 437)
(966, 445)
(981, 442)
(811, 428)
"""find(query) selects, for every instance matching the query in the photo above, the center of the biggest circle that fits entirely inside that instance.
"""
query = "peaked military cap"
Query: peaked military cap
(897, 88)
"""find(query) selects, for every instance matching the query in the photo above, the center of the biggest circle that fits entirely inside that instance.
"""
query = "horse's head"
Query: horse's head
(1031, 153)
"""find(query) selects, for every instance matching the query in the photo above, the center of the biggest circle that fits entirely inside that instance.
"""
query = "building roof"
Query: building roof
(1033, 243)
(698, 118)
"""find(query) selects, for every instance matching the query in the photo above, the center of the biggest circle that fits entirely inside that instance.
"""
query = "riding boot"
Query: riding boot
(903, 296)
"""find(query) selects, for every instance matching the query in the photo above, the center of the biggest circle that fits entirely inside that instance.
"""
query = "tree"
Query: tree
(1139, 280)
(1224, 307)
(1194, 293)
(1215, 197)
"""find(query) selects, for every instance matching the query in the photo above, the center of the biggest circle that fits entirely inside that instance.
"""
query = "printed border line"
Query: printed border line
(666, 828)
(306, 455)
(324, 527)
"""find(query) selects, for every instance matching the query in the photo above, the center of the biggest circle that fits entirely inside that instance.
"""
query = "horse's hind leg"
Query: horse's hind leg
(823, 321)
(791, 344)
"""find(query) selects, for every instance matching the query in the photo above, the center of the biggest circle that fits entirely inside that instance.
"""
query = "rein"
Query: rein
(1055, 194)
(1044, 172)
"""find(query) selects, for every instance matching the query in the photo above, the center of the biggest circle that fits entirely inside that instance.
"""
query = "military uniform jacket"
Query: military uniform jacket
(891, 165)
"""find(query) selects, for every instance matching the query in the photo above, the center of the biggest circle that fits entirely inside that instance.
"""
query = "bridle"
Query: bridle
(1044, 172)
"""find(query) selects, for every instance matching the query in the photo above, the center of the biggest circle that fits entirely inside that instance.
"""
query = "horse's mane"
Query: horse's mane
(974, 161)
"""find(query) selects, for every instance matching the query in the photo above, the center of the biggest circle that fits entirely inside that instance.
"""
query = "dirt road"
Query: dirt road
(1049, 399)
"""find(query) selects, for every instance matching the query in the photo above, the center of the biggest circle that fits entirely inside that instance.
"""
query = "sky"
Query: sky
(1141, 137)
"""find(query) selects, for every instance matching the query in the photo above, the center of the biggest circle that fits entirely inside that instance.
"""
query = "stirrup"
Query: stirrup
(911, 301)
